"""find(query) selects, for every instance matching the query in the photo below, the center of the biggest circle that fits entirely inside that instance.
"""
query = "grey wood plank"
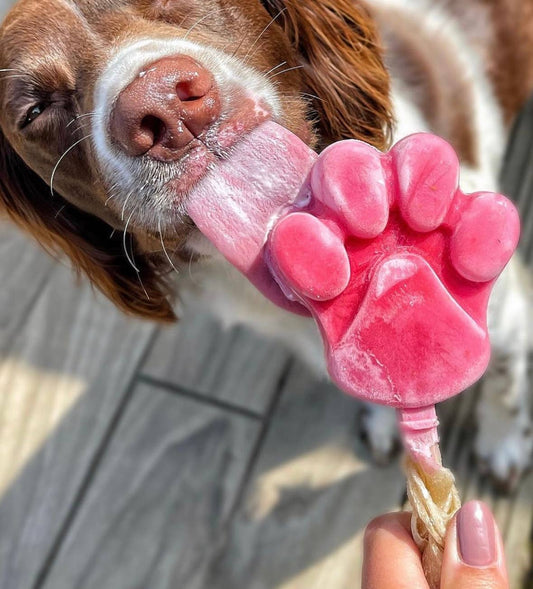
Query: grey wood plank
(312, 492)
(517, 161)
(234, 365)
(517, 175)
(61, 384)
(25, 267)
(527, 231)
(522, 196)
(519, 543)
(156, 509)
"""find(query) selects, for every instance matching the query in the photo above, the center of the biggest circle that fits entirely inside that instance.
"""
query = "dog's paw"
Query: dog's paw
(389, 253)
(504, 452)
(379, 430)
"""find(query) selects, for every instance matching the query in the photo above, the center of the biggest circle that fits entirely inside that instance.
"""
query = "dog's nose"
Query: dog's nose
(170, 103)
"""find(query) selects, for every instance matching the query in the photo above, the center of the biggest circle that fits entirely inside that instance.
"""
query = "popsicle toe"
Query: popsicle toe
(350, 179)
(428, 177)
(319, 271)
(396, 264)
(485, 237)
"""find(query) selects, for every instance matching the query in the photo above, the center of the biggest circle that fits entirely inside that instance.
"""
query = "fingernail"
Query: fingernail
(476, 533)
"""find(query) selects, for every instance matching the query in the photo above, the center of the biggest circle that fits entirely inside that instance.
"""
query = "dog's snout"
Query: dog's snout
(169, 104)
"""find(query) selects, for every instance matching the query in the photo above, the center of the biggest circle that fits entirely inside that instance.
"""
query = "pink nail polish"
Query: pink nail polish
(476, 534)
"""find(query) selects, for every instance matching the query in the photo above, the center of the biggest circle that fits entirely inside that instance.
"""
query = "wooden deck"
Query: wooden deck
(192, 457)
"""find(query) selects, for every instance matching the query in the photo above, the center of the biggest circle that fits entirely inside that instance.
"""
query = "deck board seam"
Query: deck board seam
(203, 398)
(92, 469)
(265, 428)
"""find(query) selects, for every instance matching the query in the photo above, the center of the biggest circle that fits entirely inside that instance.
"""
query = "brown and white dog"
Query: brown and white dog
(111, 110)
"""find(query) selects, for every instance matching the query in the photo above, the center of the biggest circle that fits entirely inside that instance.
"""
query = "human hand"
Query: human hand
(473, 553)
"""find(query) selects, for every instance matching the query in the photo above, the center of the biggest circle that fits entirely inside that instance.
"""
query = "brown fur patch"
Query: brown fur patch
(63, 229)
(433, 78)
(339, 46)
(501, 32)
(510, 58)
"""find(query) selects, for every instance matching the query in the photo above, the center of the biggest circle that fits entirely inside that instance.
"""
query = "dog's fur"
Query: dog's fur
(327, 70)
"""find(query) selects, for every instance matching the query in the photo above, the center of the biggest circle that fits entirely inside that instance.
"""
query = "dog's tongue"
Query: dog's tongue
(236, 204)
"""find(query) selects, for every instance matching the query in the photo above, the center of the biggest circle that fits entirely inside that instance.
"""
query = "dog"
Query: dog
(112, 110)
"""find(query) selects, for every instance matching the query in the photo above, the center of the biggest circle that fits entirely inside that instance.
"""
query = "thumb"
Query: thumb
(473, 553)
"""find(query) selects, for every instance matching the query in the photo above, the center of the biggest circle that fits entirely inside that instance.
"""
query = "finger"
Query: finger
(391, 558)
(473, 553)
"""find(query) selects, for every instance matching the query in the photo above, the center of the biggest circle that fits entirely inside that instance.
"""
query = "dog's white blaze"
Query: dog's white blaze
(129, 62)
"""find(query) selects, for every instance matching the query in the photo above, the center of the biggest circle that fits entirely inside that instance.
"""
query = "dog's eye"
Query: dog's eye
(34, 112)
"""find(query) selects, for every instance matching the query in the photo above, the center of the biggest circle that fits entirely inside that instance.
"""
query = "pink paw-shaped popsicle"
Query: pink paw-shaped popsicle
(398, 279)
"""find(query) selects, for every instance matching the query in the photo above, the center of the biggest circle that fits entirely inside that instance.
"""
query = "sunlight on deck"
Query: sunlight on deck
(317, 469)
(340, 568)
(34, 403)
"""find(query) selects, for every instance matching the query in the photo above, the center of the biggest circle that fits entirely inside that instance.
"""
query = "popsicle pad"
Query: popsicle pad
(396, 264)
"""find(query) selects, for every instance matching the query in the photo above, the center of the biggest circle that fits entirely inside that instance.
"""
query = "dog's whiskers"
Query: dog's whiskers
(272, 21)
(112, 193)
(62, 158)
(142, 286)
(275, 68)
(164, 248)
(77, 118)
(245, 36)
(60, 211)
(138, 271)
(218, 10)
(205, 17)
(125, 203)
(193, 280)
(125, 246)
(313, 96)
(185, 18)
(296, 67)
(16, 74)
(14, 77)
(257, 49)
(131, 259)
(82, 127)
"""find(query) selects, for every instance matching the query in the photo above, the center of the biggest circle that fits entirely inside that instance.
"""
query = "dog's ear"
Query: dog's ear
(86, 240)
(343, 64)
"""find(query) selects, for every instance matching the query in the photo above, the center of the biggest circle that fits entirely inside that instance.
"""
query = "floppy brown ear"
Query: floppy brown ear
(339, 48)
(86, 240)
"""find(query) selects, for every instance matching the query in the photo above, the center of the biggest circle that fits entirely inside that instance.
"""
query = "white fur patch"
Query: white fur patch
(124, 174)
(433, 20)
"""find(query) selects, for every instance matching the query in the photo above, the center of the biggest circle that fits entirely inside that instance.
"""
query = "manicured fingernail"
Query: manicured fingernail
(476, 533)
